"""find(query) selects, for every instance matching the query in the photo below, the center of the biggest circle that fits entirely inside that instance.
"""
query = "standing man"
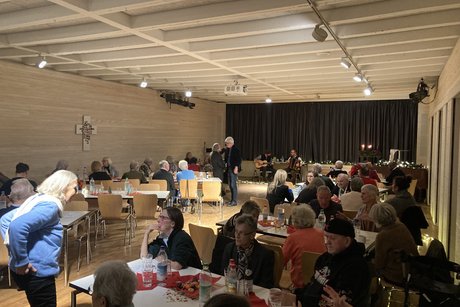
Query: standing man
(233, 160)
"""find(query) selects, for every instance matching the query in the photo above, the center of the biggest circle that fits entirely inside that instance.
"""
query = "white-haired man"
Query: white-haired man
(233, 160)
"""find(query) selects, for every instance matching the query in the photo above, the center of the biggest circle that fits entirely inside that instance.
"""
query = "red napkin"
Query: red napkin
(256, 301)
(171, 281)
(290, 229)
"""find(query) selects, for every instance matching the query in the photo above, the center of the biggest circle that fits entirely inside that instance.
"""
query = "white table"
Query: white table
(157, 296)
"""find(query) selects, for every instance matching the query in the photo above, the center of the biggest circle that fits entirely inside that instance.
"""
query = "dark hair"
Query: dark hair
(227, 300)
(175, 215)
(249, 206)
(22, 168)
(364, 171)
(193, 160)
(402, 182)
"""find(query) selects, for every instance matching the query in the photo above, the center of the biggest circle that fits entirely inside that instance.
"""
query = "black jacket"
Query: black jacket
(394, 173)
(306, 195)
(346, 272)
(165, 175)
(278, 195)
(218, 165)
(235, 158)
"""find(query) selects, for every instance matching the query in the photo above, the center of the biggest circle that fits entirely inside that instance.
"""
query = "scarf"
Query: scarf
(243, 261)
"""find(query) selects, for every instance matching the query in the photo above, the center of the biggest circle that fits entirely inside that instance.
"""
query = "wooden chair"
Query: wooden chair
(413, 185)
(110, 206)
(211, 193)
(77, 197)
(163, 184)
(204, 239)
(79, 231)
(308, 265)
(279, 263)
(261, 202)
(135, 183)
(350, 214)
(4, 260)
(116, 186)
(149, 187)
(106, 184)
(145, 206)
(188, 189)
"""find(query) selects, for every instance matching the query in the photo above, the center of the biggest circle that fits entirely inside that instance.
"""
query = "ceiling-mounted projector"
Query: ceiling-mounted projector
(421, 93)
(235, 89)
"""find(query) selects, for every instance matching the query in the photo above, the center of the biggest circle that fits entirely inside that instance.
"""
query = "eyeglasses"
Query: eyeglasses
(244, 234)
(163, 217)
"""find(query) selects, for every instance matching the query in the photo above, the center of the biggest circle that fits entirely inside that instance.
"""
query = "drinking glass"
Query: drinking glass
(275, 297)
(147, 270)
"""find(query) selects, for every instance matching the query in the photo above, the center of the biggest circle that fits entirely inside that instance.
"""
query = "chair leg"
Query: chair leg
(9, 277)
(79, 254)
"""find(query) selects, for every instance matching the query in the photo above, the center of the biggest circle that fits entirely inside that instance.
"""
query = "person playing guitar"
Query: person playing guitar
(263, 162)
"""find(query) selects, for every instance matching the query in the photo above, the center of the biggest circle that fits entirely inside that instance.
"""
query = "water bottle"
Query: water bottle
(231, 278)
(281, 217)
(162, 266)
(92, 186)
(205, 284)
(265, 214)
(127, 186)
(321, 219)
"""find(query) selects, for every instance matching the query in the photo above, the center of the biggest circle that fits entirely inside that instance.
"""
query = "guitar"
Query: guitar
(260, 163)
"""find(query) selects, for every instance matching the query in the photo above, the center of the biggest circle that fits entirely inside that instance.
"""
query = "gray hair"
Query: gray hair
(316, 182)
(21, 189)
(342, 175)
(148, 161)
(163, 163)
(107, 159)
(323, 188)
(248, 220)
(317, 168)
(356, 184)
(303, 216)
(229, 140)
(115, 281)
(215, 146)
(56, 184)
(183, 165)
(383, 214)
(372, 189)
(134, 165)
(339, 164)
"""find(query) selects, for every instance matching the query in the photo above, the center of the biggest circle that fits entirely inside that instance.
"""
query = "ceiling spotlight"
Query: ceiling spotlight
(268, 99)
(358, 78)
(368, 91)
(188, 93)
(42, 62)
(344, 62)
(143, 83)
(319, 34)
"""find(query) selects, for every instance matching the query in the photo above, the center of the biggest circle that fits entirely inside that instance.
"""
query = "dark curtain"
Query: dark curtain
(324, 131)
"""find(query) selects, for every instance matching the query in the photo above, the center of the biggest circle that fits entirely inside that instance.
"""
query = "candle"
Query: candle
(369, 146)
(362, 146)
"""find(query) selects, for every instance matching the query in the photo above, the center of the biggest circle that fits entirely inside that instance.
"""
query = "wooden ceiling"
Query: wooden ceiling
(204, 45)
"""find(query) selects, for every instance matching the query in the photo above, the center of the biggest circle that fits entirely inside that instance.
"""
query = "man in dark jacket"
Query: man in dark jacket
(233, 160)
(395, 172)
(342, 267)
(164, 174)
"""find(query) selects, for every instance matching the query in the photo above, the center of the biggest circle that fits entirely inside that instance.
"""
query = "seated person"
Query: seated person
(403, 199)
(249, 255)
(61, 164)
(146, 167)
(193, 165)
(134, 173)
(370, 197)
(164, 174)
(323, 201)
(172, 165)
(184, 172)
(20, 191)
(309, 193)
(108, 167)
(188, 156)
(97, 172)
(318, 168)
(364, 175)
(342, 186)
(352, 201)
(179, 246)
(392, 239)
(372, 172)
(22, 171)
(114, 285)
(263, 162)
(227, 300)
(278, 191)
(395, 172)
(294, 165)
(342, 267)
(336, 170)
(303, 219)
(249, 207)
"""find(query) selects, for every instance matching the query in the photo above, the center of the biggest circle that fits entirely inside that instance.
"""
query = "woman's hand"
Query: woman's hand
(26, 269)
(151, 228)
(334, 299)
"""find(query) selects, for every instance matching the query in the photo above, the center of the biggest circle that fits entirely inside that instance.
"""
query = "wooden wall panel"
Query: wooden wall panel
(40, 108)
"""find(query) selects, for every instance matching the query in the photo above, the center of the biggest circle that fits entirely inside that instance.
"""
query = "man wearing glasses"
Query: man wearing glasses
(253, 261)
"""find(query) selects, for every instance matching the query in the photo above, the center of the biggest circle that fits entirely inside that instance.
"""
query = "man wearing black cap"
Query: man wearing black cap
(342, 267)
(21, 172)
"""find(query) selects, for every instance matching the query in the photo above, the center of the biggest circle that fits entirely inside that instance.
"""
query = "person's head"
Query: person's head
(193, 160)
(252, 208)
(383, 214)
(170, 219)
(323, 195)
(356, 184)
(338, 236)
(338, 164)
(303, 216)
(114, 285)
(267, 152)
(310, 176)
(169, 159)
(369, 194)
(229, 142)
(363, 172)
(245, 231)
(164, 165)
(188, 155)
(216, 147)
(227, 300)
(61, 184)
(96, 166)
(401, 183)
(342, 181)
(148, 161)
(318, 168)
(106, 161)
(369, 165)
(21, 189)
(293, 152)
(62, 164)
(134, 166)
(22, 169)
(183, 165)
(280, 177)
(316, 183)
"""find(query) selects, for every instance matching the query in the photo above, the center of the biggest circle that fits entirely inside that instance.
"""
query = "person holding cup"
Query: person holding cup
(178, 245)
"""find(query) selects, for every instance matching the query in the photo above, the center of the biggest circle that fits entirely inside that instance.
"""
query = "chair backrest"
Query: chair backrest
(350, 214)
(77, 196)
(188, 189)
(279, 262)
(287, 210)
(135, 183)
(211, 190)
(412, 186)
(261, 202)
(76, 205)
(117, 185)
(163, 184)
(145, 205)
(4, 257)
(149, 187)
(110, 206)
(308, 265)
(204, 239)
(106, 184)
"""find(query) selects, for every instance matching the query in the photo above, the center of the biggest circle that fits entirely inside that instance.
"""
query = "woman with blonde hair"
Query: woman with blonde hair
(278, 191)
(33, 233)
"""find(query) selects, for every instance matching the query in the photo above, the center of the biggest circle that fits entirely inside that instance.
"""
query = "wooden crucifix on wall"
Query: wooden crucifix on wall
(86, 129)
